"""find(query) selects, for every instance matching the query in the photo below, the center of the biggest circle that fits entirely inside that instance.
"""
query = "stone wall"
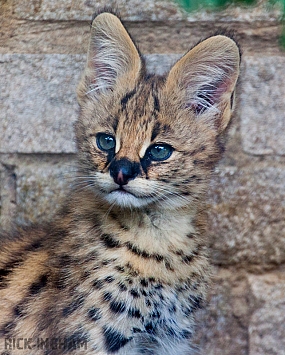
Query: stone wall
(43, 46)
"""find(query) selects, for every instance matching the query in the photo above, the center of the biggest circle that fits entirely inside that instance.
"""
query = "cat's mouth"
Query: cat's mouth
(122, 190)
(126, 198)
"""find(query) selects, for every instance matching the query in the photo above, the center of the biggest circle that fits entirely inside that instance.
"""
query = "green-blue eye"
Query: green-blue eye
(159, 152)
(105, 142)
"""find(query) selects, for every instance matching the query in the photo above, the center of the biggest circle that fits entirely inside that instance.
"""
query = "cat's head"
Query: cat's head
(144, 139)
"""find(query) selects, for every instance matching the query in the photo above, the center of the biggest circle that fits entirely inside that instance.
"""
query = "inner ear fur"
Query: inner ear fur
(205, 78)
(112, 59)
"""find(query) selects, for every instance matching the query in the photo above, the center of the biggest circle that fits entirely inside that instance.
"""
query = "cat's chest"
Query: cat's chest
(138, 285)
(142, 312)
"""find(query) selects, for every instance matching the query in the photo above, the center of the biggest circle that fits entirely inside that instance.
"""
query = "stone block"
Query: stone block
(8, 183)
(136, 10)
(267, 324)
(246, 216)
(222, 324)
(262, 108)
(38, 102)
(160, 63)
(69, 37)
(42, 185)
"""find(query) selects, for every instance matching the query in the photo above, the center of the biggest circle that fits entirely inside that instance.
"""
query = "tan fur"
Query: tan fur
(123, 266)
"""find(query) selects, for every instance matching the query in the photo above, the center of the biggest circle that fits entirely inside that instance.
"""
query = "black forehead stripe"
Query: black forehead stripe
(115, 122)
(156, 104)
(127, 97)
(155, 131)
(114, 340)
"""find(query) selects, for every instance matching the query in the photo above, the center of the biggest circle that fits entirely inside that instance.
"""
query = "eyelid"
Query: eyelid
(160, 144)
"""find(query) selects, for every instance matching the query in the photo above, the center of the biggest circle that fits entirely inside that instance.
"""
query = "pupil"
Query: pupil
(109, 141)
(160, 150)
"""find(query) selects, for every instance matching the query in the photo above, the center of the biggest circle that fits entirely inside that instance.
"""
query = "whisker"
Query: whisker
(109, 210)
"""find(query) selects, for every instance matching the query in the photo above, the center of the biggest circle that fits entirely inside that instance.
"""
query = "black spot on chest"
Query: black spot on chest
(64, 260)
(109, 241)
(94, 314)
(18, 310)
(114, 340)
(37, 286)
(7, 328)
(134, 313)
(117, 307)
(109, 279)
(8, 269)
(150, 328)
(122, 286)
(144, 282)
(107, 296)
(34, 246)
(98, 284)
(134, 293)
(3, 274)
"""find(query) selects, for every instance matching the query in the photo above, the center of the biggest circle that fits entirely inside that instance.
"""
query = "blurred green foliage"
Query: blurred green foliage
(192, 5)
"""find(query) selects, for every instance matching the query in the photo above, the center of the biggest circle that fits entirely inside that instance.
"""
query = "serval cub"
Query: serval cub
(123, 266)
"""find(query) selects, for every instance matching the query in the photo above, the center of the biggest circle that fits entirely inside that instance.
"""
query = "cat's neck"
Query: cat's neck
(153, 219)
(155, 241)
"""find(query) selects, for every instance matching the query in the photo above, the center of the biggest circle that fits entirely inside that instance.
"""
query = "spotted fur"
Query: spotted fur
(123, 267)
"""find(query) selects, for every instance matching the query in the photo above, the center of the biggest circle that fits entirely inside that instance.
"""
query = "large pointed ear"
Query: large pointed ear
(205, 79)
(112, 59)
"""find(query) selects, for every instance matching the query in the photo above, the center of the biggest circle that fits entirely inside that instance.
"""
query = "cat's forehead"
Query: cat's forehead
(144, 98)
(139, 109)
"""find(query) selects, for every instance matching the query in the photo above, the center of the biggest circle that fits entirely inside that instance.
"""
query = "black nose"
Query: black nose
(124, 170)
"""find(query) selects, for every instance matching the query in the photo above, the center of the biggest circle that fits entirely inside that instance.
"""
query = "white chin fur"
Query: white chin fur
(125, 199)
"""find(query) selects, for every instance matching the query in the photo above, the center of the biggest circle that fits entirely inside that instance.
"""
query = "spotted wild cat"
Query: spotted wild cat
(123, 266)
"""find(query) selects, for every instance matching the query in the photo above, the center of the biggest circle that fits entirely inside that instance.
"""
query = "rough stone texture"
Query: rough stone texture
(160, 63)
(267, 324)
(263, 105)
(42, 182)
(38, 100)
(38, 105)
(246, 216)
(137, 10)
(8, 195)
(222, 327)
(66, 37)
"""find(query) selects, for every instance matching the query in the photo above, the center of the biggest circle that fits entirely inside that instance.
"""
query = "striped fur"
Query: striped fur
(123, 266)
